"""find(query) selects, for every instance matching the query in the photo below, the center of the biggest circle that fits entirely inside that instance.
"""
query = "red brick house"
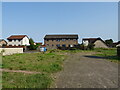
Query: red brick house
(66, 40)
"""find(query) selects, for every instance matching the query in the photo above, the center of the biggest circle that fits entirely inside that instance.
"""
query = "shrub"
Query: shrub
(32, 46)
(90, 46)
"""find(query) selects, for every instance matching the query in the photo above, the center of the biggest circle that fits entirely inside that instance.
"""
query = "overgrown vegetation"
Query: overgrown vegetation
(3, 50)
(78, 47)
(110, 54)
(20, 80)
(109, 42)
(46, 63)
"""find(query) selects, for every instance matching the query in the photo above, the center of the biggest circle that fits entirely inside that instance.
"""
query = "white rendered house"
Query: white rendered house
(18, 40)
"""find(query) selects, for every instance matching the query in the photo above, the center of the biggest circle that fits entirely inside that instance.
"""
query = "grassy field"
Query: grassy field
(20, 80)
(46, 64)
(109, 54)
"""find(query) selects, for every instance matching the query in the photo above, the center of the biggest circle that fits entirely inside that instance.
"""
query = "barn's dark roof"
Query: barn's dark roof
(16, 37)
(92, 40)
(67, 36)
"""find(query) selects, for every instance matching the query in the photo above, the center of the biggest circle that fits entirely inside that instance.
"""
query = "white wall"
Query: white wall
(24, 41)
(85, 42)
(14, 43)
(10, 51)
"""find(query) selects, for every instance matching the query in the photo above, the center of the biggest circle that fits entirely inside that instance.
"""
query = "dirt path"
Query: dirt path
(19, 71)
(81, 70)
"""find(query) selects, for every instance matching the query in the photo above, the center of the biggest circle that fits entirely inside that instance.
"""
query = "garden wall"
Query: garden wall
(10, 51)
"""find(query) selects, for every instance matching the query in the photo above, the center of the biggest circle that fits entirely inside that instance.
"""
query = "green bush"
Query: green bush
(90, 46)
(32, 46)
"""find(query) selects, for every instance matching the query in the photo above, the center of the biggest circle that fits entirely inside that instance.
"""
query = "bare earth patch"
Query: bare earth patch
(19, 71)
(83, 71)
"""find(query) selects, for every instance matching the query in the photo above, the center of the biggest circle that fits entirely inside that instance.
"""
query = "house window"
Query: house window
(69, 45)
(52, 45)
(58, 40)
(74, 45)
(63, 39)
(58, 45)
(74, 39)
(47, 40)
(63, 45)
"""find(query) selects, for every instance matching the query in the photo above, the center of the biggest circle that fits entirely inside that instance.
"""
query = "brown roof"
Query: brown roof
(67, 36)
(92, 40)
(16, 37)
(38, 43)
(43, 45)
(2, 40)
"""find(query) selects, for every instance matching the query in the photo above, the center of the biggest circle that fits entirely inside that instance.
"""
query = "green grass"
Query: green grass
(110, 54)
(20, 80)
(46, 63)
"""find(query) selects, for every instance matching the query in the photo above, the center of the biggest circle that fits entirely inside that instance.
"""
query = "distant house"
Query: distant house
(118, 43)
(18, 40)
(2, 42)
(54, 41)
(98, 42)
(114, 44)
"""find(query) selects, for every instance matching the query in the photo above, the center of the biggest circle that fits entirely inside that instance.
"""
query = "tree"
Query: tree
(32, 45)
(109, 42)
(90, 46)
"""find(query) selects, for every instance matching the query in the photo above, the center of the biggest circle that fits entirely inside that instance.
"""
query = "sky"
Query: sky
(36, 19)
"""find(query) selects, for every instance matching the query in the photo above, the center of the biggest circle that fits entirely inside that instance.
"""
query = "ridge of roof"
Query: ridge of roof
(16, 37)
(61, 36)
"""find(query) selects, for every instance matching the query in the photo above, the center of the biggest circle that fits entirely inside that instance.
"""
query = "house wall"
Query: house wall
(100, 44)
(14, 43)
(24, 41)
(85, 42)
(117, 45)
(10, 51)
(51, 44)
